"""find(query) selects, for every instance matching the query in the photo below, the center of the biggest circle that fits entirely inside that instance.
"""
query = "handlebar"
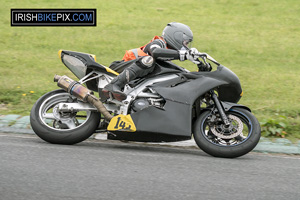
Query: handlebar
(205, 55)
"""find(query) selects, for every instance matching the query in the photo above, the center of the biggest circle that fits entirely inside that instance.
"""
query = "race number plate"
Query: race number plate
(121, 123)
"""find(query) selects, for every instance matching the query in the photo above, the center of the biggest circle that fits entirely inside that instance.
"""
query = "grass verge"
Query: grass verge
(256, 39)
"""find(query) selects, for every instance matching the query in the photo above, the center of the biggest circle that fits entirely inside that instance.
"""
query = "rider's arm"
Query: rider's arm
(165, 54)
(158, 50)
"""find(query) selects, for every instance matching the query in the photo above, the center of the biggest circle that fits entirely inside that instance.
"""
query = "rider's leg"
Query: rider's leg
(140, 68)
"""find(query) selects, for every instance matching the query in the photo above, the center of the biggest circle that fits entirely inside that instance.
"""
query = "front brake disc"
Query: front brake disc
(228, 132)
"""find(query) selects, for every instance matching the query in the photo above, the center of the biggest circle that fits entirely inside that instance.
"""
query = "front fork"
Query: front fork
(219, 108)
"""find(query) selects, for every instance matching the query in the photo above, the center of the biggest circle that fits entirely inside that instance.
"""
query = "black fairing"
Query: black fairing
(231, 90)
(180, 95)
(174, 119)
(146, 137)
(198, 83)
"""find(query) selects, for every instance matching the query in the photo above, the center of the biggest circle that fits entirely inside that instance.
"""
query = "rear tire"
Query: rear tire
(71, 129)
(227, 142)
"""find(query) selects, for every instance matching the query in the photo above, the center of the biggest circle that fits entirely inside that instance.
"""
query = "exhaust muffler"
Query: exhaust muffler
(81, 92)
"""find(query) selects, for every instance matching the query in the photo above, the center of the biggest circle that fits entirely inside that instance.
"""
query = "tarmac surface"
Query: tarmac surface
(32, 169)
(20, 124)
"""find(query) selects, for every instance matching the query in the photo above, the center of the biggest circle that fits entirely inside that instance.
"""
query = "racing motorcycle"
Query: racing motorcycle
(170, 104)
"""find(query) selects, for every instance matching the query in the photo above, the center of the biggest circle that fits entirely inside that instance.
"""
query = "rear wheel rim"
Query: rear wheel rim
(51, 118)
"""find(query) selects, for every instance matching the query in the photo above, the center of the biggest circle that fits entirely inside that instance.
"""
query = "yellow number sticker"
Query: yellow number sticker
(121, 123)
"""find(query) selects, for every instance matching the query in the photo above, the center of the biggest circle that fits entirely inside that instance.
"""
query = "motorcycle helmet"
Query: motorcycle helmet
(177, 35)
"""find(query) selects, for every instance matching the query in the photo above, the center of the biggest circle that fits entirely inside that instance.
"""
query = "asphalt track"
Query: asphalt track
(32, 169)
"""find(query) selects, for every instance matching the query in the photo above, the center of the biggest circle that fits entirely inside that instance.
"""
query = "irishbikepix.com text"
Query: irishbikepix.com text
(53, 17)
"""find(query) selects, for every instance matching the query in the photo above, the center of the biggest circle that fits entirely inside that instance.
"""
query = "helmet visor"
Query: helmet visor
(187, 43)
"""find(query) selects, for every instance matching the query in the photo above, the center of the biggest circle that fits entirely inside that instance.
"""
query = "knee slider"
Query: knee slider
(145, 62)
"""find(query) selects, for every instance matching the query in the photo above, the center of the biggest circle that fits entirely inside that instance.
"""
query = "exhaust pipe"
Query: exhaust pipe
(81, 92)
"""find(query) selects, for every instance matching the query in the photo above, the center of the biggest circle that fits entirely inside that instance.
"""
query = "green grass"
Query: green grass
(258, 40)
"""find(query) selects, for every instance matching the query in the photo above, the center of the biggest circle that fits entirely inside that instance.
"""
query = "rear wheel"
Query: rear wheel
(61, 127)
(234, 140)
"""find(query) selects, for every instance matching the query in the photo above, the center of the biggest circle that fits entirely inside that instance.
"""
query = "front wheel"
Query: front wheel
(234, 140)
(58, 127)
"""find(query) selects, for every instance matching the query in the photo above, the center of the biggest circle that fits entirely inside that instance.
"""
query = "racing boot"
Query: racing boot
(116, 85)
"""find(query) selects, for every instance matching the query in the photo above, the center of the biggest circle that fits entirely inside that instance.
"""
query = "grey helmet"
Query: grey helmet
(177, 35)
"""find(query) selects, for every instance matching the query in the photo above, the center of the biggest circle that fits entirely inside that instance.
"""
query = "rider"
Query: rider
(173, 44)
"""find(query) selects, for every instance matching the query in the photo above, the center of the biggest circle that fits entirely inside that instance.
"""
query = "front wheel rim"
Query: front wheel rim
(238, 134)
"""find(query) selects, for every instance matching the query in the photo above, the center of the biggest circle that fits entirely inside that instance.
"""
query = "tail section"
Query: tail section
(78, 63)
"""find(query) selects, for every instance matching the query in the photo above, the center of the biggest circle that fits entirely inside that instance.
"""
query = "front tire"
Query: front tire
(235, 140)
(61, 128)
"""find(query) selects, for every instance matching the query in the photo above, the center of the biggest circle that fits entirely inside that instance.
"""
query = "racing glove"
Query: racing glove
(191, 54)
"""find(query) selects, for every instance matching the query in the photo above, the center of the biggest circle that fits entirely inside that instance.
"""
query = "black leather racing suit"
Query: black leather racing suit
(145, 65)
